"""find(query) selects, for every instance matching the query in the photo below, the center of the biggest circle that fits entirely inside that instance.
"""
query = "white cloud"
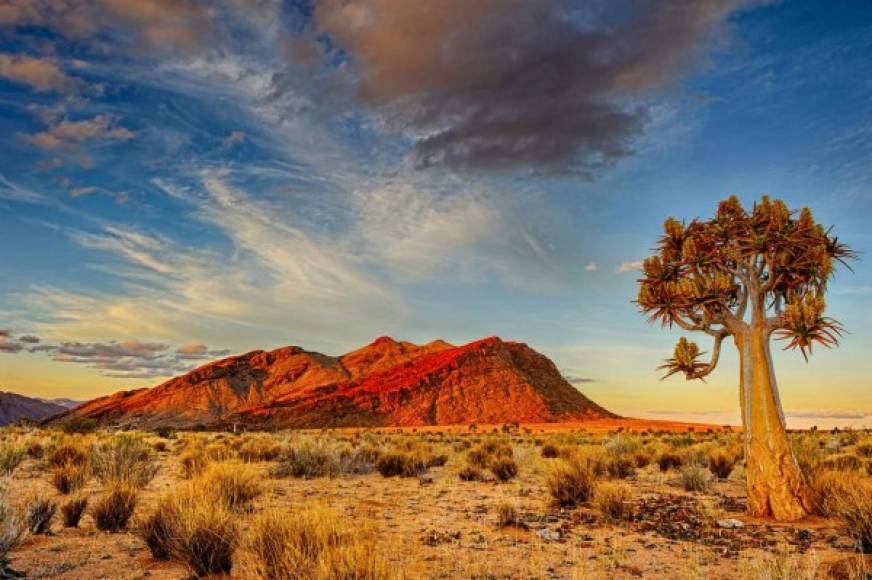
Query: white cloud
(591, 267)
(628, 267)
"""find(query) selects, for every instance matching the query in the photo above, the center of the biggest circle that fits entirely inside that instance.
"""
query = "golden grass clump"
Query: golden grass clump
(39, 513)
(124, 458)
(308, 458)
(721, 463)
(193, 461)
(113, 509)
(694, 478)
(73, 509)
(234, 483)
(507, 515)
(11, 529)
(315, 543)
(69, 477)
(401, 463)
(571, 481)
(504, 468)
(613, 500)
(667, 460)
(259, 449)
(10, 457)
(853, 504)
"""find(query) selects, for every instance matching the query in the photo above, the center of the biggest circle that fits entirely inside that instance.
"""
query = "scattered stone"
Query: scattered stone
(425, 479)
(730, 524)
(548, 535)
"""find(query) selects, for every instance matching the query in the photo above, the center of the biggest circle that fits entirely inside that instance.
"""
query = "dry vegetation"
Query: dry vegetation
(383, 504)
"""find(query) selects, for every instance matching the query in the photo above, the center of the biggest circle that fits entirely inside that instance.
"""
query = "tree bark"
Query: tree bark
(776, 486)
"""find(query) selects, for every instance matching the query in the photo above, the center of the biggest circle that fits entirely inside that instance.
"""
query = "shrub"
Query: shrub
(507, 515)
(864, 449)
(842, 463)
(70, 451)
(669, 460)
(470, 473)
(315, 543)
(620, 467)
(613, 500)
(11, 528)
(259, 449)
(693, 478)
(234, 483)
(125, 458)
(854, 506)
(721, 463)
(308, 459)
(403, 464)
(504, 468)
(193, 462)
(39, 513)
(549, 451)
(165, 432)
(487, 451)
(72, 510)
(203, 535)
(69, 477)
(112, 511)
(571, 482)
(10, 457)
(828, 486)
(642, 457)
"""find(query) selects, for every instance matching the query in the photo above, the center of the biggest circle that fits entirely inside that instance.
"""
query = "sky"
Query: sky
(182, 180)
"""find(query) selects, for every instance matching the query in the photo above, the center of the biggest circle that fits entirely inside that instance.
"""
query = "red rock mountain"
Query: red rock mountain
(386, 383)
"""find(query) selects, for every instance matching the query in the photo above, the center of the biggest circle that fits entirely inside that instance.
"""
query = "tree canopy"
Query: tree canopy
(707, 273)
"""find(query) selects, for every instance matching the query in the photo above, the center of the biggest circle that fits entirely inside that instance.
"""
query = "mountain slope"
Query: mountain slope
(14, 407)
(384, 383)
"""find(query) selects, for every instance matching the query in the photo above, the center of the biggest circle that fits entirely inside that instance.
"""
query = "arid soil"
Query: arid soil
(439, 526)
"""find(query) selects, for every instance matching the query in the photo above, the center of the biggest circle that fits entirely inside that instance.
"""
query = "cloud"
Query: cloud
(575, 380)
(628, 267)
(232, 138)
(29, 339)
(9, 346)
(828, 414)
(4, 332)
(551, 85)
(70, 135)
(198, 351)
(591, 267)
(182, 25)
(41, 74)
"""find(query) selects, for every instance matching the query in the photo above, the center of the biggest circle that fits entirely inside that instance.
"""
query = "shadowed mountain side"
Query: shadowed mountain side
(386, 383)
(14, 407)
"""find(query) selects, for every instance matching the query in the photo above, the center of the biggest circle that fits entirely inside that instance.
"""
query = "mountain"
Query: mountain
(386, 383)
(14, 407)
(63, 402)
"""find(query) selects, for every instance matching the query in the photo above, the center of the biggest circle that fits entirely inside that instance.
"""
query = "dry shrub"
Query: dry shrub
(842, 463)
(669, 460)
(39, 512)
(694, 478)
(11, 528)
(69, 451)
(507, 515)
(613, 500)
(308, 458)
(470, 473)
(402, 464)
(234, 483)
(549, 451)
(69, 477)
(259, 449)
(193, 461)
(571, 481)
(721, 463)
(315, 543)
(864, 449)
(642, 457)
(487, 451)
(190, 526)
(852, 502)
(10, 457)
(112, 511)
(504, 468)
(72, 510)
(125, 458)
(620, 466)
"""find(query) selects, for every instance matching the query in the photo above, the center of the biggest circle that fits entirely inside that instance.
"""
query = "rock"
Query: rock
(548, 535)
(730, 524)
(425, 479)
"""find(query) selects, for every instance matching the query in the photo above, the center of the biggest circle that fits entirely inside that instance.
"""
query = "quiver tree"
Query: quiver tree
(748, 275)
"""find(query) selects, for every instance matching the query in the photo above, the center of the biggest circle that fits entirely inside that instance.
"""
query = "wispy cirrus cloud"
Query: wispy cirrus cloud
(625, 267)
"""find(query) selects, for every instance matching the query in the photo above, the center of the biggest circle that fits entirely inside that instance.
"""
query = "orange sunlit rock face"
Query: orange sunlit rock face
(386, 383)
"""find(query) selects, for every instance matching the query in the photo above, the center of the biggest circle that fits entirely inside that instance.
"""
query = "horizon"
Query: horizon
(247, 176)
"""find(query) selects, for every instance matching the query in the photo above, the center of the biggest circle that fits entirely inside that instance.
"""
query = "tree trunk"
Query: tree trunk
(776, 486)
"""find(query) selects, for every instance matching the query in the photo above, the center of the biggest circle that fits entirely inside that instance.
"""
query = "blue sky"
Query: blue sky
(181, 180)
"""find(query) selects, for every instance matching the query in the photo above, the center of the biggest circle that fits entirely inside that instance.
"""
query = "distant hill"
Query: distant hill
(63, 402)
(14, 407)
(386, 383)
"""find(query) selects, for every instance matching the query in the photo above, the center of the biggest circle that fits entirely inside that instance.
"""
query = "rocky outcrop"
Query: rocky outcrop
(386, 383)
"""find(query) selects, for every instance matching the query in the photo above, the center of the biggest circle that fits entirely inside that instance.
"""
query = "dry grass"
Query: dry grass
(69, 477)
(613, 500)
(721, 463)
(73, 509)
(39, 513)
(233, 483)
(11, 528)
(694, 478)
(571, 481)
(113, 509)
(125, 458)
(315, 543)
(507, 515)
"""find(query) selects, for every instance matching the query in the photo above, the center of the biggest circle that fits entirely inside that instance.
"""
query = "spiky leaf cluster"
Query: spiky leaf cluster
(805, 324)
(685, 360)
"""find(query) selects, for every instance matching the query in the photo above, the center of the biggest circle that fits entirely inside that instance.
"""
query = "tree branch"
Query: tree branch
(713, 362)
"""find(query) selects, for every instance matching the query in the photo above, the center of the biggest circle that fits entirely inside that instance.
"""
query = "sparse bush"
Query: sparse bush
(470, 473)
(72, 510)
(721, 463)
(864, 449)
(193, 461)
(842, 463)
(11, 528)
(669, 460)
(504, 468)
(259, 449)
(112, 511)
(507, 515)
(613, 500)
(403, 464)
(620, 467)
(487, 451)
(10, 457)
(69, 477)
(315, 543)
(571, 482)
(853, 504)
(80, 426)
(549, 451)
(694, 478)
(69, 451)
(39, 514)
(234, 483)
(124, 458)
(308, 459)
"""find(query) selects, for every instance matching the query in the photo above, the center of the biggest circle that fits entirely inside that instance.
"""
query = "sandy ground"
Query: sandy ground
(447, 529)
